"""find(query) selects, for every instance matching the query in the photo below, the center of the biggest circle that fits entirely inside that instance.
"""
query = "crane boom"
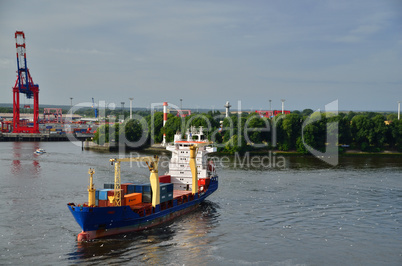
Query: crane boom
(94, 106)
(193, 164)
(24, 84)
(152, 162)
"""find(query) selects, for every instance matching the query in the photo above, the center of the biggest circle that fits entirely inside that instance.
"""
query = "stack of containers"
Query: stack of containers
(103, 197)
(145, 190)
(166, 192)
(124, 187)
(108, 185)
(96, 197)
(130, 188)
(103, 200)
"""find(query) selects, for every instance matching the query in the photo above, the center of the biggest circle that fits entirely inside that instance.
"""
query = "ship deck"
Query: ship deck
(145, 209)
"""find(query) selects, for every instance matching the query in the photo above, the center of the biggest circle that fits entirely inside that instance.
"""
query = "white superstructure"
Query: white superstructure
(179, 168)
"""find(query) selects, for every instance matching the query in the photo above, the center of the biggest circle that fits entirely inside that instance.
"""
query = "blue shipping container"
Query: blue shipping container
(96, 194)
(103, 194)
(163, 198)
(166, 187)
(166, 197)
(170, 196)
(130, 189)
(143, 188)
(108, 185)
(163, 188)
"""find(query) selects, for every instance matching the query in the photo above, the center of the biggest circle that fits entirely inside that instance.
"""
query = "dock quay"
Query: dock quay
(43, 137)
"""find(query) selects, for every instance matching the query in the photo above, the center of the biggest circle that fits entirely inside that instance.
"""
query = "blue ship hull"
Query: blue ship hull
(99, 222)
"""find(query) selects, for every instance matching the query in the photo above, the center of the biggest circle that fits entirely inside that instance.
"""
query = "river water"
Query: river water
(298, 212)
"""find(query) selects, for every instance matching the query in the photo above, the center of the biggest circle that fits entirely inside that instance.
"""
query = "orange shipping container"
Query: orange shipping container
(133, 198)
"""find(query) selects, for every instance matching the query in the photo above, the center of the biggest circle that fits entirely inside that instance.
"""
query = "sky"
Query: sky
(307, 52)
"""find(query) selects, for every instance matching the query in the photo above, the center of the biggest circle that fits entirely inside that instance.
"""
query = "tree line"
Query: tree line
(365, 131)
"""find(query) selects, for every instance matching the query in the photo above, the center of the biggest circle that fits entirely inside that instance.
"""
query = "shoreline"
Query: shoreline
(347, 153)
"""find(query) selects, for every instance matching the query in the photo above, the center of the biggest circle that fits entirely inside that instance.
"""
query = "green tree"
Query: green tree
(396, 133)
(292, 128)
(345, 135)
(236, 144)
(380, 131)
(307, 112)
(392, 117)
(172, 126)
(362, 131)
(155, 124)
(133, 130)
(256, 128)
(315, 133)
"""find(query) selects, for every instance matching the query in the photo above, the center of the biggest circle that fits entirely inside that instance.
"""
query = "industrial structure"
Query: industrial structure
(131, 108)
(227, 106)
(56, 112)
(95, 109)
(165, 114)
(270, 114)
(183, 113)
(24, 84)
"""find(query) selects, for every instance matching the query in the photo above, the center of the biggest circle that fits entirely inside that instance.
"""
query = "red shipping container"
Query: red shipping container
(102, 203)
(164, 179)
(124, 187)
(111, 193)
(123, 203)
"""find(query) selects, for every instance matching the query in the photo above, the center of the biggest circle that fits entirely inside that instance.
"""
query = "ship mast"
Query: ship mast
(91, 188)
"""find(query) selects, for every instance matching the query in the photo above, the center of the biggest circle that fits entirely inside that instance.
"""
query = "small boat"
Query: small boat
(40, 151)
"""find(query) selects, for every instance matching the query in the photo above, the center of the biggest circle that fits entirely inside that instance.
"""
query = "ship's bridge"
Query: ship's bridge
(179, 167)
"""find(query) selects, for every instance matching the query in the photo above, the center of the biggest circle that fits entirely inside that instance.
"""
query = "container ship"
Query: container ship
(128, 207)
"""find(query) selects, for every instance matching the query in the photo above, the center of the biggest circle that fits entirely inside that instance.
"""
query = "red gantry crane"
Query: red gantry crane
(24, 84)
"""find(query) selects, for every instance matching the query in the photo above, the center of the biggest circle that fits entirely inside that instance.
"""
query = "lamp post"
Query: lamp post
(227, 106)
(283, 105)
(122, 109)
(131, 108)
(399, 110)
(71, 107)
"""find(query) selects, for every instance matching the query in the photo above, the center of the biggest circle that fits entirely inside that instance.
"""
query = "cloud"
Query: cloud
(366, 29)
(6, 63)
(80, 52)
(206, 52)
(359, 33)
(349, 39)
